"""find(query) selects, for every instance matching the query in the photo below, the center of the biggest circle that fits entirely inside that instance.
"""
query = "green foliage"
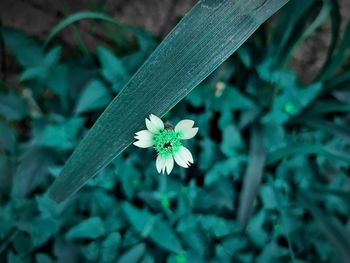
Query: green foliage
(91, 228)
(270, 180)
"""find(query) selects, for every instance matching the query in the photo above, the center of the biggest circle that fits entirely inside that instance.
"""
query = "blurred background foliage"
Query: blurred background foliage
(271, 176)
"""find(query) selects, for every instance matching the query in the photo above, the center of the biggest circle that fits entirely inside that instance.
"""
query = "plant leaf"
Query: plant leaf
(112, 68)
(252, 177)
(149, 225)
(26, 50)
(203, 40)
(90, 229)
(307, 149)
(338, 57)
(134, 254)
(12, 106)
(95, 96)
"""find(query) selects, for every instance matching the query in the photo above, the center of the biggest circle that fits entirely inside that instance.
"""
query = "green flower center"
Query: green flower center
(167, 142)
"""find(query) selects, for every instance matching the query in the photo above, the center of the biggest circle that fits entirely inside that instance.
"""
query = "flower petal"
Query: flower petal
(183, 157)
(179, 161)
(143, 144)
(160, 164)
(144, 135)
(186, 128)
(186, 155)
(154, 123)
(169, 164)
(144, 139)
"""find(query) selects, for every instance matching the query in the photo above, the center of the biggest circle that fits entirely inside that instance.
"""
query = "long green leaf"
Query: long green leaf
(307, 149)
(71, 19)
(339, 56)
(203, 39)
(252, 177)
(335, 22)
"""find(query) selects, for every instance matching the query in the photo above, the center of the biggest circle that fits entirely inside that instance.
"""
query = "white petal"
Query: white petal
(169, 164)
(160, 164)
(186, 155)
(144, 135)
(179, 161)
(143, 144)
(144, 139)
(183, 157)
(154, 123)
(185, 127)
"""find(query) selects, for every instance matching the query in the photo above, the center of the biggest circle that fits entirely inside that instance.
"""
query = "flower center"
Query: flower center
(167, 142)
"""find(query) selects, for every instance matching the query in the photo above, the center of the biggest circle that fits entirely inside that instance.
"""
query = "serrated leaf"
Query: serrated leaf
(109, 247)
(141, 220)
(26, 50)
(218, 196)
(164, 236)
(91, 251)
(43, 70)
(43, 258)
(7, 138)
(156, 229)
(88, 229)
(112, 68)
(12, 107)
(42, 229)
(221, 170)
(293, 98)
(94, 97)
(12, 258)
(231, 142)
(129, 176)
(133, 255)
(60, 136)
(31, 171)
(204, 39)
(47, 206)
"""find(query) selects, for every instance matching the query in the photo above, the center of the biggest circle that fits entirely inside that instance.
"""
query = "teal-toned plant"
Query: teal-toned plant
(270, 178)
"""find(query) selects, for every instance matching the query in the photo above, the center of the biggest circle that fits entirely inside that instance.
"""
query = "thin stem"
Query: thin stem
(76, 33)
(163, 183)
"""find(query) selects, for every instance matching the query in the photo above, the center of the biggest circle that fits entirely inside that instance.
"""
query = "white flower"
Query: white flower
(166, 140)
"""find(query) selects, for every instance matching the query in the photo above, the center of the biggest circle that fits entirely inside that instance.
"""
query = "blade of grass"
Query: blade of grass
(290, 28)
(340, 82)
(303, 29)
(73, 18)
(335, 23)
(342, 131)
(307, 149)
(252, 177)
(339, 57)
(75, 30)
(203, 39)
(318, 192)
(324, 107)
